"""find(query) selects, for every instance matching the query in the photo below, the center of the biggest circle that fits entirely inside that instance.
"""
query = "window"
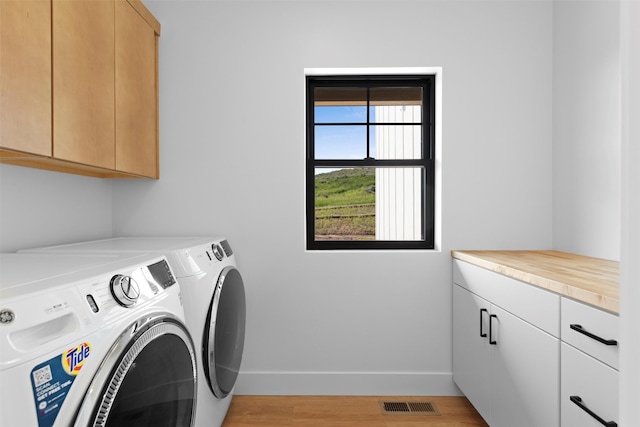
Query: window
(370, 157)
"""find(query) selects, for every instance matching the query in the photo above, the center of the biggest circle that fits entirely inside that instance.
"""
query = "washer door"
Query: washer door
(223, 340)
(147, 379)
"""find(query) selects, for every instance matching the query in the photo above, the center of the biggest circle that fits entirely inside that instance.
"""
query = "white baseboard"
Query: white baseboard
(347, 383)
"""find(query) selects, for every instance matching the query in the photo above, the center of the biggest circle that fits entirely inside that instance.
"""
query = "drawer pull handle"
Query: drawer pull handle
(491, 340)
(578, 401)
(578, 328)
(483, 334)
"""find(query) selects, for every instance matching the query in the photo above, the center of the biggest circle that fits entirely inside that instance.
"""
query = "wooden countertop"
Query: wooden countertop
(593, 281)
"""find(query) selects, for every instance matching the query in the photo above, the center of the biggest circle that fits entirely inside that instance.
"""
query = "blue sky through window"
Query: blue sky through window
(343, 141)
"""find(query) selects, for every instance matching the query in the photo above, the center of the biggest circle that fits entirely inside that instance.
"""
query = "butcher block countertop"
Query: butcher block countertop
(593, 281)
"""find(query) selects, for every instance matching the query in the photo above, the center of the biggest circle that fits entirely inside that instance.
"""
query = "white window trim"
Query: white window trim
(437, 71)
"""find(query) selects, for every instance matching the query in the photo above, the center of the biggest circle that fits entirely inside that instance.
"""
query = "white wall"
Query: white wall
(629, 266)
(232, 158)
(596, 154)
(40, 208)
(586, 127)
(232, 139)
(367, 322)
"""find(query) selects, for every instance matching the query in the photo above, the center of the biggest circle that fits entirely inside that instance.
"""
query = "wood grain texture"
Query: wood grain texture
(81, 93)
(345, 411)
(146, 15)
(25, 70)
(589, 280)
(48, 163)
(136, 93)
(83, 82)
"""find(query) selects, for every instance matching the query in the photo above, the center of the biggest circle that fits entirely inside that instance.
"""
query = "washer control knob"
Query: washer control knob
(125, 290)
(217, 251)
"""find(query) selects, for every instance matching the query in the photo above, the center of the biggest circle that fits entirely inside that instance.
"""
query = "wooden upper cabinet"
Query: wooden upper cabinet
(79, 86)
(83, 89)
(25, 70)
(136, 92)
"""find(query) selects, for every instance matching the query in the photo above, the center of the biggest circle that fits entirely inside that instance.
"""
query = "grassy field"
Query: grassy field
(345, 204)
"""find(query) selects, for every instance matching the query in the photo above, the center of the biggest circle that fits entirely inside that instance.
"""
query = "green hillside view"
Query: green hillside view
(345, 204)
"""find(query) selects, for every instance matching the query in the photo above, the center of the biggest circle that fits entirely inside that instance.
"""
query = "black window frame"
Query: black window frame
(427, 162)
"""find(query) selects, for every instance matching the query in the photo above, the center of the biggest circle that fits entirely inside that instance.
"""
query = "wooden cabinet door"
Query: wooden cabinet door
(471, 362)
(525, 369)
(136, 93)
(25, 67)
(83, 82)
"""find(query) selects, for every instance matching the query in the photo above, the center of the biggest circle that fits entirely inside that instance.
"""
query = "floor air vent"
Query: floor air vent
(409, 408)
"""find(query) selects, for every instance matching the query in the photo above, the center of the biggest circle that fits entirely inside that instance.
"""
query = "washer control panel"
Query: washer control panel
(125, 290)
(160, 274)
(217, 251)
(130, 287)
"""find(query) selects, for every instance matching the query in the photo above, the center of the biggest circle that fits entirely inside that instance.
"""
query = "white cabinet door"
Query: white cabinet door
(593, 331)
(525, 368)
(514, 382)
(594, 388)
(471, 363)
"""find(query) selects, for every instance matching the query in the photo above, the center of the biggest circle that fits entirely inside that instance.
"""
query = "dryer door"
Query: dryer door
(147, 379)
(223, 340)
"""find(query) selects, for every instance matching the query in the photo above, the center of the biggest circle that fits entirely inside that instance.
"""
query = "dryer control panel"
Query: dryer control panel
(129, 288)
(200, 259)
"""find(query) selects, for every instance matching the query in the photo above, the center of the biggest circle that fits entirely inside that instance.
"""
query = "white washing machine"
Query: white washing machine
(215, 308)
(93, 340)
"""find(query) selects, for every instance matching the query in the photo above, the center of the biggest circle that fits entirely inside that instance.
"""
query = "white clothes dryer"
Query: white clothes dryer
(93, 340)
(215, 308)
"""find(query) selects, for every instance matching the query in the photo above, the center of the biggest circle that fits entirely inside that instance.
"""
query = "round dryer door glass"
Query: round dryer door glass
(224, 334)
(153, 382)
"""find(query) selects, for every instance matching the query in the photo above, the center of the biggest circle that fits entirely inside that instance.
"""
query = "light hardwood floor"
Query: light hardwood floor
(345, 411)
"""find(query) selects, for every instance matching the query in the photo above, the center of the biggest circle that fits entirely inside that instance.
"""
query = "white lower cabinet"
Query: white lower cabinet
(528, 357)
(508, 368)
(525, 373)
(590, 354)
(589, 390)
(471, 356)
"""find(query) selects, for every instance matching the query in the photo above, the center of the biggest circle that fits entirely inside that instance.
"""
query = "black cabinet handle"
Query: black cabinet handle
(483, 334)
(578, 328)
(491, 340)
(578, 401)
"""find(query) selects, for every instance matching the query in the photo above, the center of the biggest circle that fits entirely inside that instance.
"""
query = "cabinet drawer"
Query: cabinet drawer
(585, 327)
(590, 383)
(537, 306)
